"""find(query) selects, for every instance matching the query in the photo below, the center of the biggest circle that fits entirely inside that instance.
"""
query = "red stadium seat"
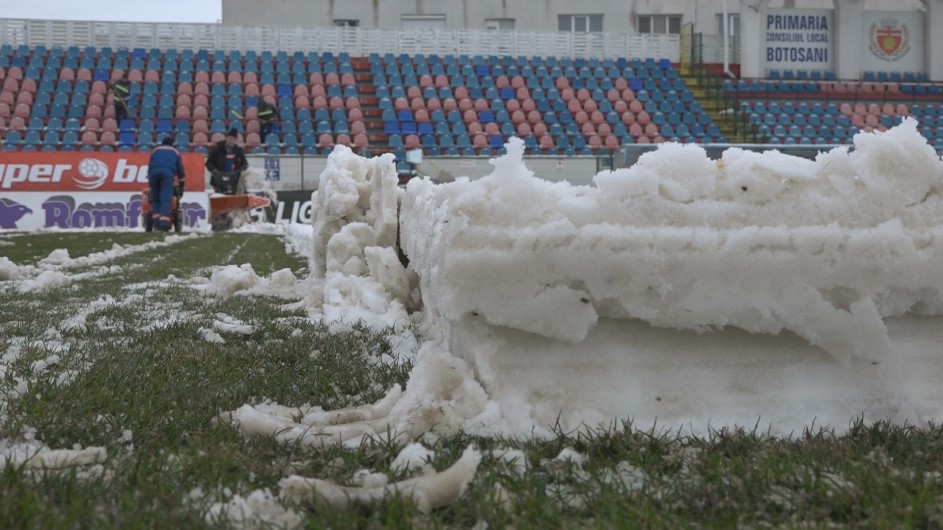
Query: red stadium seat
(611, 143)
(89, 138)
(22, 110)
(17, 123)
(361, 141)
(524, 129)
(152, 76)
(234, 78)
(316, 79)
(325, 140)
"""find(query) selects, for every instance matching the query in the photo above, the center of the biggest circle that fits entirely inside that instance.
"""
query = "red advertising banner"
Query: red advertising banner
(83, 171)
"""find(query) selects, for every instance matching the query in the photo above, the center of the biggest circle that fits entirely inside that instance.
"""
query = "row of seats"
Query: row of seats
(574, 103)
(890, 89)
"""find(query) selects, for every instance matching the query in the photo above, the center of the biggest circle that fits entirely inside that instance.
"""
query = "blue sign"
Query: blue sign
(272, 169)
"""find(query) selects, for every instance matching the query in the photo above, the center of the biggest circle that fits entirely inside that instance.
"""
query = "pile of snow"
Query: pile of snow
(360, 276)
(232, 279)
(764, 242)
(683, 292)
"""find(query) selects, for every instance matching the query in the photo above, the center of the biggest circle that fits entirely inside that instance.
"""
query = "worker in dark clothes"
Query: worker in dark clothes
(166, 177)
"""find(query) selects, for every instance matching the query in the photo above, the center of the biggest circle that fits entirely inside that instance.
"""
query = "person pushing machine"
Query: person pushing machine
(166, 179)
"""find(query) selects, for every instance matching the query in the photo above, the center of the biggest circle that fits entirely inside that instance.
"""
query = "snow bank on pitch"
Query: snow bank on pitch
(763, 242)
(682, 291)
(360, 276)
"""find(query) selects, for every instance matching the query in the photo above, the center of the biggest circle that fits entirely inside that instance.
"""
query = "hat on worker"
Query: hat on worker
(233, 132)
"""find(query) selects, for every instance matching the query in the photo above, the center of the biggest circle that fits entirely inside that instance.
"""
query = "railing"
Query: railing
(355, 41)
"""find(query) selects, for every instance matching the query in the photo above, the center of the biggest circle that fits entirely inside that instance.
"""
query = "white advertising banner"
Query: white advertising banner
(894, 41)
(798, 39)
(30, 210)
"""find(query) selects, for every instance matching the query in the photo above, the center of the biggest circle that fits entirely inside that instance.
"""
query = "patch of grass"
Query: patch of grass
(86, 365)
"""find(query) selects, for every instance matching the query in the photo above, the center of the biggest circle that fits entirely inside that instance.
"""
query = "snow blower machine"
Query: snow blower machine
(230, 201)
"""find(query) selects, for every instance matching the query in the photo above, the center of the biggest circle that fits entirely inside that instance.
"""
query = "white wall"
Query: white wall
(529, 15)
(297, 173)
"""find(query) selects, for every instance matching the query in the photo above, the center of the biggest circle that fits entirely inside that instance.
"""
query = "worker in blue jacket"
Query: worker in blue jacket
(165, 167)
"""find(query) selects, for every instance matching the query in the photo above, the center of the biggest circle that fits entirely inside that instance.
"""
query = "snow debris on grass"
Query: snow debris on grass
(625, 475)
(80, 319)
(48, 279)
(47, 274)
(229, 324)
(414, 456)
(515, 459)
(211, 336)
(8, 269)
(259, 510)
(365, 478)
(31, 454)
(569, 455)
(230, 280)
(427, 492)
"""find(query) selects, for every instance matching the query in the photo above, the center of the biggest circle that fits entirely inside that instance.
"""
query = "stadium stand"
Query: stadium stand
(815, 108)
(446, 105)
(59, 98)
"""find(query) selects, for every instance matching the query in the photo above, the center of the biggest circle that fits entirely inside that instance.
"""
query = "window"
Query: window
(734, 24)
(423, 21)
(659, 24)
(346, 23)
(499, 23)
(580, 23)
